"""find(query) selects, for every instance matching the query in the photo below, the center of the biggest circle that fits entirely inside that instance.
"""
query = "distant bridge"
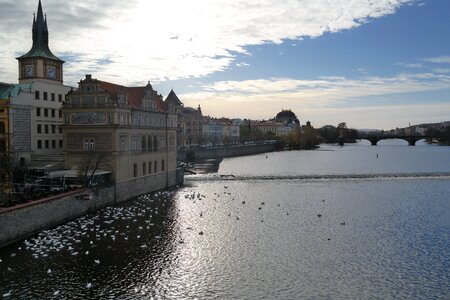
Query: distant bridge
(411, 139)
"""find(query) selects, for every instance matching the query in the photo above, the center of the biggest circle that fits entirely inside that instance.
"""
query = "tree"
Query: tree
(90, 162)
(12, 170)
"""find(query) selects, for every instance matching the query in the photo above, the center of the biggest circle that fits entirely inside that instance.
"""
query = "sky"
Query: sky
(370, 63)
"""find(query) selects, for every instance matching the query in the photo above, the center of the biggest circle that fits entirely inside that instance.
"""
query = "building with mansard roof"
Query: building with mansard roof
(130, 131)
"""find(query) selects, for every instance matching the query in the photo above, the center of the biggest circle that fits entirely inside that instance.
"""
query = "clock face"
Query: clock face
(29, 70)
(51, 72)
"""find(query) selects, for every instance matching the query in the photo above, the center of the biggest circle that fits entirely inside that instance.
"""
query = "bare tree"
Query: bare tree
(90, 162)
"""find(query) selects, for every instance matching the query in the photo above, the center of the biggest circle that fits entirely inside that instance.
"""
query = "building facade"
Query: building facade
(34, 104)
(189, 122)
(130, 131)
(219, 131)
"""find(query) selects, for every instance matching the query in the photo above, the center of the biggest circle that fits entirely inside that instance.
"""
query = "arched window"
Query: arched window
(135, 170)
(155, 167)
(149, 144)
(144, 144)
(163, 167)
(2, 128)
(144, 169)
(149, 167)
(155, 143)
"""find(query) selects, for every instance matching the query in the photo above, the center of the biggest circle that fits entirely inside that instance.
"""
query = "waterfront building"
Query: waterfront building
(219, 131)
(129, 131)
(33, 106)
(285, 122)
(189, 122)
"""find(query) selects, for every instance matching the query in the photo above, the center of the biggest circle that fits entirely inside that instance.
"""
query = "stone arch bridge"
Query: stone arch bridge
(411, 139)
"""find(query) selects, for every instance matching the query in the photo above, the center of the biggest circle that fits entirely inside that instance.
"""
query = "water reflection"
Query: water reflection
(253, 239)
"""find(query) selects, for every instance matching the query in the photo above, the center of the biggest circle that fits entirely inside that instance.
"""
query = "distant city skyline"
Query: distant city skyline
(371, 64)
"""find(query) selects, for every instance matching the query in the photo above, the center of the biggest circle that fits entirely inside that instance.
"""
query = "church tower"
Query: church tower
(40, 63)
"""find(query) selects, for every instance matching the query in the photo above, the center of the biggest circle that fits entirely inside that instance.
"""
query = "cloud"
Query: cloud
(242, 64)
(410, 65)
(319, 96)
(172, 39)
(438, 60)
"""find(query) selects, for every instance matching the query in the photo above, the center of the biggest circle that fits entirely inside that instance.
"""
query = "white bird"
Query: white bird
(56, 293)
(97, 261)
(86, 253)
(8, 294)
(49, 271)
(88, 285)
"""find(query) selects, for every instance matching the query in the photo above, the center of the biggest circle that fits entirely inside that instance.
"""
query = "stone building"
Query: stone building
(219, 131)
(130, 129)
(189, 122)
(33, 105)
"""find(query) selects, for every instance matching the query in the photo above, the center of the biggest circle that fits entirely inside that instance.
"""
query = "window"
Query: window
(54, 144)
(36, 95)
(47, 144)
(144, 169)
(88, 145)
(163, 167)
(39, 144)
(46, 128)
(135, 170)
(45, 112)
(45, 95)
(53, 96)
(39, 128)
(144, 144)
(149, 167)
(53, 128)
(60, 143)
(60, 129)
(2, 127)
(53, 113)
(149, 144)
(60, 113)
(155, 167)
(59, 98)
(38, 112)
(155, 143)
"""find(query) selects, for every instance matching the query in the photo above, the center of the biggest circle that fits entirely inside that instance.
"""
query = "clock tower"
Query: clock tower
(40, 63)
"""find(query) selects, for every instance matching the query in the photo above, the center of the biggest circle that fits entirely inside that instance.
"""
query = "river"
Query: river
(357, 221)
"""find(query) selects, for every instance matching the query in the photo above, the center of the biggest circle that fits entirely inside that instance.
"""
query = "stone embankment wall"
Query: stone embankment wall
(22, 221)
(219, 152)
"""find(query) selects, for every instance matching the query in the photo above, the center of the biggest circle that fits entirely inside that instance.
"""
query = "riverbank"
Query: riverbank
(223, 151)
(21, 221)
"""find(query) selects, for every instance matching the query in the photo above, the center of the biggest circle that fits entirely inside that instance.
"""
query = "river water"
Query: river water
(357, 221)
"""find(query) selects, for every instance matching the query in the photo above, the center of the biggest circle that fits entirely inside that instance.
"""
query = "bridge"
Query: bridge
(411, 139)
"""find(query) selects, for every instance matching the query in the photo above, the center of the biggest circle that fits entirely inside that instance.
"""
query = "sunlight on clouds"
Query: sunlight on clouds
(176, 39)
(326, 94)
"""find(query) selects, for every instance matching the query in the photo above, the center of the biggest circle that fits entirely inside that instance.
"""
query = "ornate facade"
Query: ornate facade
(132, 126)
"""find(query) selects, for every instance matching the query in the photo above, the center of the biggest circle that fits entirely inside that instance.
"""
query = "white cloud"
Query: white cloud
(410, 65)
(438, 60)
(172, 39)
(317, 99)
(242, 64)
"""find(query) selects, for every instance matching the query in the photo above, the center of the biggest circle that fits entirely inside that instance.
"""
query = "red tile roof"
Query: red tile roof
(134, 94)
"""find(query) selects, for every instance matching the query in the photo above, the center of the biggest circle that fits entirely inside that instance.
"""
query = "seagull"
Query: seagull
(97, 261)
(56, 293)
(49, 271)
(88, 285)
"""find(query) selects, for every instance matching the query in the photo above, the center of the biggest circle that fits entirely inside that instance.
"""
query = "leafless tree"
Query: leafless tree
(91, 162)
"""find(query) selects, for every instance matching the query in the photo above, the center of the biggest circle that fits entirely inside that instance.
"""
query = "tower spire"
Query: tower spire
(40, 37)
